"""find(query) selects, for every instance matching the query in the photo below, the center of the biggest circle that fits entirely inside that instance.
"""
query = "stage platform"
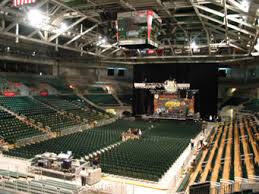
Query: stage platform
(158, 117)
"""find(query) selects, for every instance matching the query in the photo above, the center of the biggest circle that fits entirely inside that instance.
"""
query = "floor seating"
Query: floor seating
(186, 129)
(148, 158)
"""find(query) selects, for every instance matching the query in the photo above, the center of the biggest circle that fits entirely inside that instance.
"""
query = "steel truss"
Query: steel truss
(219, 28)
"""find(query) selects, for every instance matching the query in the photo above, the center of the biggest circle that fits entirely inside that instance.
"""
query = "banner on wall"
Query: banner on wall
(44, 93)
(9, 93)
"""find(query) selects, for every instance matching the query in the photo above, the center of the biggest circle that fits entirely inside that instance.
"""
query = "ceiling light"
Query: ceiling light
(101, 41)
(245, 5)
(63, 26)
(233, 90)
(193, 45)
(37, 18)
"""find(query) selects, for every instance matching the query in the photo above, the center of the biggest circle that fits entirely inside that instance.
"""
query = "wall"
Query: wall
(93, 75)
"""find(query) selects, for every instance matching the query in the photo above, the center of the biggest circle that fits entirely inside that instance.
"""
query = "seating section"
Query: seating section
(13, 129)
(58, 84)
(252, 106)
(149, 158)
(27, 81)
(72, 104)
(176, 129)
(233, 153)
(95, 90)
(34, 81)
(37, 111)
(102, 99)
(125, 99)
(57, 102)
(8, 173)
(235, 101)
(81, 143)
(4, 84)
(24, 183)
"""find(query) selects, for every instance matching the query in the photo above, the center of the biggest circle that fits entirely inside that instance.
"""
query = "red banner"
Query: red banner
(9, 93)
(22, 2)
(44, 93)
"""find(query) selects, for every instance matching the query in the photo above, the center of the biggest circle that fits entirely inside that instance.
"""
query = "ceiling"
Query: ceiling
(223, 30)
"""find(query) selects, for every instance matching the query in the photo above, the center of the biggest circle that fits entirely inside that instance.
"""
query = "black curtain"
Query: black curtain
(201, 76)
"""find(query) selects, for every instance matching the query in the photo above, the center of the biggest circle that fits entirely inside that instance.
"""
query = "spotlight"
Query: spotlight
(194, 46)
(245, 5)
(101, 41)
(36, 18)
(63, 26)
(233, 90)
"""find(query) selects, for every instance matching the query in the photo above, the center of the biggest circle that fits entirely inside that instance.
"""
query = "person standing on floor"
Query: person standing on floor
(83, 175)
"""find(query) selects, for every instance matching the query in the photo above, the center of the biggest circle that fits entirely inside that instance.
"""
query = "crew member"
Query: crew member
(83, 175)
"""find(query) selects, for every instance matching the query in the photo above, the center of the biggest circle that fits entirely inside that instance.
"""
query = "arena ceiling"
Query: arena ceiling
(223, 30)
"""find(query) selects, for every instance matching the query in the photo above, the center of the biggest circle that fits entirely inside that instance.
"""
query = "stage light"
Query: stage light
(104, 40)
(245, 5)
(101, 41)
(37, 18)
(193, 45)
(63, 26)
(233, 90)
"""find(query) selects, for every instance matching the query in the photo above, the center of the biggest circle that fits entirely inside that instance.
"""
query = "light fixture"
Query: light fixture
(36, 18)
(233, 90)
(63, 26)
(245, 5)
(40, 73)
(101, 41)
(194, 46)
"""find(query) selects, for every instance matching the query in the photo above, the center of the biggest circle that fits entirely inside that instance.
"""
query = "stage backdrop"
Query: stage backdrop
(171, 104)
(201, 76)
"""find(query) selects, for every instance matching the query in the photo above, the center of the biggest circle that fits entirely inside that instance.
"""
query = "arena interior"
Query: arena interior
(129, 96)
